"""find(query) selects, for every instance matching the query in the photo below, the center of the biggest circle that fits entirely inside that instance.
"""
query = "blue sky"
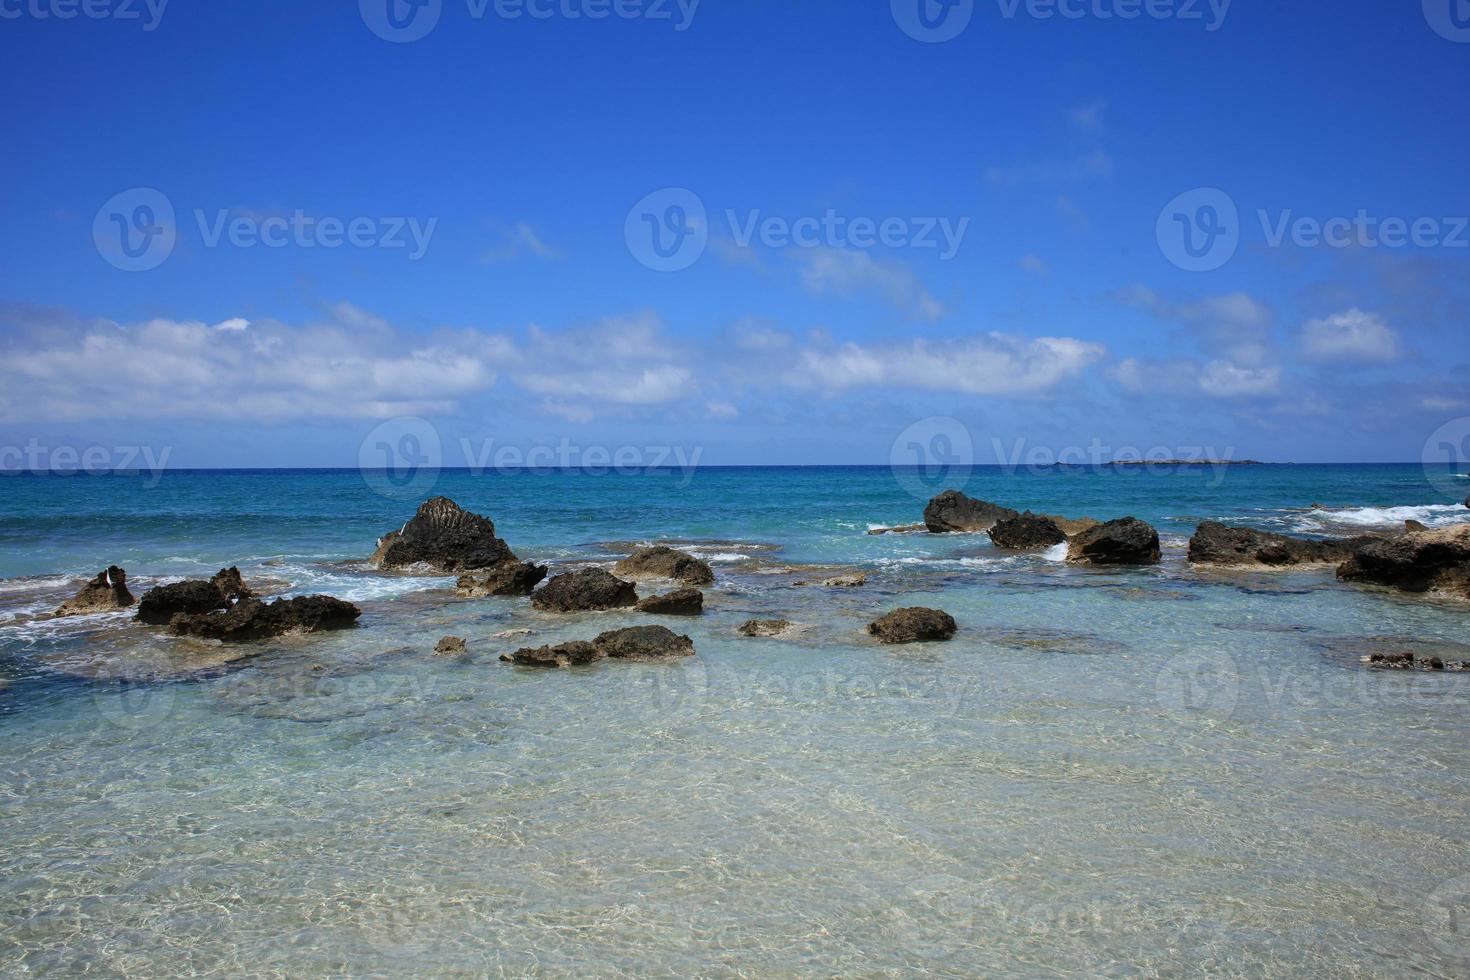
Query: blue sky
(492, 169)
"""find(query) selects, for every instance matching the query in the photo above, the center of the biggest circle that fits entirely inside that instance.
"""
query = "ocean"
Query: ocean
(1121, 772)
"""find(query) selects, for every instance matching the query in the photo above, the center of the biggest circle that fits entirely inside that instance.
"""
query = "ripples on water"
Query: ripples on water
(1119, 773)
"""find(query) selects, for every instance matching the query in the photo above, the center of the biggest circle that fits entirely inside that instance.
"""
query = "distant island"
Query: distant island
(1186, 462)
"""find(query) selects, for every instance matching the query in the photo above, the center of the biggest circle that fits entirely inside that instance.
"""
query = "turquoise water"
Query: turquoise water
(1136, 773)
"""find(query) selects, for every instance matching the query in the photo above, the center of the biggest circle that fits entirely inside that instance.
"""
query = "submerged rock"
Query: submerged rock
(662, 561)
(108, 592)
(766, 627)
(160, 605)
(1420, 561)
(684, 602)
(901, 529)
(575, 654)
(511, 578)
(644, 643)
(1128, 541)
(445, 537)
(251, 619)
(915, 625)
(589, 589)
(450, 646)
(1217, 544)
(1407, 661)
(1026, 532)
(952, 512)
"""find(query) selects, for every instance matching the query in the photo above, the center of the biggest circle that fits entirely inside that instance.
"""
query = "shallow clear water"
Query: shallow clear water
(1137, 773)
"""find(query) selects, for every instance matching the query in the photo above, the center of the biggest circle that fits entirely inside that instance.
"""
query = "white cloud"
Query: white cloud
(519, 239)
(1033, 263)
(721, 410)
(1089, 165)
(848, 273)
(1089, 117)
(1225, 380)
(1350, 336)
(1233, 326)
(992, 364)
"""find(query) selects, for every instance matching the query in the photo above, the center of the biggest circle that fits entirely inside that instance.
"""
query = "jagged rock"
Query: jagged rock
(765, 627)
(914, 625)
(1026, 532)
(684, 602)
(160, 605)
(251, 619)
(665, 562)
(511, 578)
(450, 646)
(644, 643)
(1420, 561)
(952, 512)
(1412, 525)
(1217, 544)
(591, 588)
(1407, 661)
(446, 538)
(108, 592)
(575, 654)
(231, 584)
(854, 581)
(1128, 541)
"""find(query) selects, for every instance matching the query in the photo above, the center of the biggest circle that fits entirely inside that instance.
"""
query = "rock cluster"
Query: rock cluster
(509, 578)
(635, 643)
(1419, 561)
(589, 589)
(765, 627)
(953, 512)
(683, 602)
(1025, 532)
(251, 619)
(445, 538)
(915, 625)
(1127, 541)
(108, 592)
(662, 561)
(1217, 544)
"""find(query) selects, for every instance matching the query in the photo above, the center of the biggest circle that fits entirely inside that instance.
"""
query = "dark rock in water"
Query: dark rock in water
(450, 646)
(1420, 561)
(1216, 544)
(108, 592)
(914, 625)
(901, 529)
(575, 654)
(765, 627)
(1026, 532)
(684, 602)
(160, 605)
(251, 619)
(1128, 541)
(231, 584)
(665, 562)
(644, 643)
(589, 589)
(445, 537)
(511, 578)
(1407, 661)
(952, 512)
(853, 581)
(1412, 525)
